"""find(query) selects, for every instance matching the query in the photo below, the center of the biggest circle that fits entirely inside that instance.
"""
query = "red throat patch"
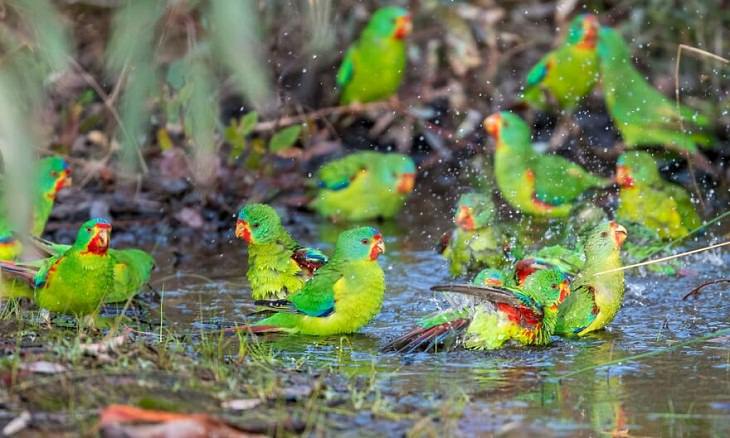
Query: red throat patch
(378, 247)
(242, 231)
(403, 27)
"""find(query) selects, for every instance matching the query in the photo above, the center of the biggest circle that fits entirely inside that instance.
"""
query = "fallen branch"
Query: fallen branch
(696, 291)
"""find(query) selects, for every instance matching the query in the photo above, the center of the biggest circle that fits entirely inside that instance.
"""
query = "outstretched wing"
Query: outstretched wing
(496, 295)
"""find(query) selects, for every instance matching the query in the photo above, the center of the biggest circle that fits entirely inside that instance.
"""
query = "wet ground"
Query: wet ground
(646, 375)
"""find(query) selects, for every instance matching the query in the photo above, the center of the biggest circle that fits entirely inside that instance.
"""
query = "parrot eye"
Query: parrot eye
(604, 234)
(54, 174)
(364, 241)
(554, 286)
(88, 229)
(505, 124)
(255, 225)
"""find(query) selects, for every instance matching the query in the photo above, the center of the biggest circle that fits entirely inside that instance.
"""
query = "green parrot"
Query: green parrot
(595, 296)
(364, 185)
(647, 199)
(277, 264)
(566, 74)
(343, 296)
(374, 65)
(475, 242)
(642, 114)
(132, 268)
(522, 315)
(77, 281)
(53, 175)
(536, 184)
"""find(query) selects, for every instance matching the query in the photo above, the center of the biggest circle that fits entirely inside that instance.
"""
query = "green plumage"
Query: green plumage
(493, 315)
(277, 264)
(343, 295)
(476, 242)
(569, 72)
(652, 202)
(536, 184)
(52, 175)
(642, 114)
(132, 269)
(374, 65)
(78, 280)
(364, 185)
(595, 296)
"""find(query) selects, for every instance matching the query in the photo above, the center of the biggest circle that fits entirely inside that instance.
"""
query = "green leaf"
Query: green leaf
(285, 138)
(248, 122)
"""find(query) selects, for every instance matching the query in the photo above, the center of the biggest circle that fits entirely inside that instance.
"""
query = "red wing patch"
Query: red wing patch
(521, 315)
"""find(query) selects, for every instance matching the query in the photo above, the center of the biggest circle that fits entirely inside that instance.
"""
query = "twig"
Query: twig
(656, 352)
(354, 108)
(696, 291)
(664, 259)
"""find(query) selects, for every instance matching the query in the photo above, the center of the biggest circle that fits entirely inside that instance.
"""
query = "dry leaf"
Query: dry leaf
(134, 422)
(106, 345)
(241, 404)
(17, 424)
(44, 367)
(190, 217)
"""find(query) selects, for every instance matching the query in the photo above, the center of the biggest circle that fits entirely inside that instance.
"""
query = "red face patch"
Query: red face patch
(492, 124)
(406, 182)
(378, 247)
(403, 27)
(243, 232)
(464, 219)
(99, 244)
(623, 176)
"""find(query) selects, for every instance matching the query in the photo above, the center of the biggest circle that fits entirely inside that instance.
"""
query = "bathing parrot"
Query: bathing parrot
(132, 268)
(277, 264)
(476, 242)
(534, 183)
(77, 281)
(522, 315)
(364, 185)
(344, 295)
(595, 296)
(53, 174)
(566, 74)
(642, 114)
(374, 65)
(647, 199)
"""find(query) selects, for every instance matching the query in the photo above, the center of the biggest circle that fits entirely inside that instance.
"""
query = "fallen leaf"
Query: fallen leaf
(106, 345)
(43, 367)
(241, 404)
(134, 422)
(17, 424)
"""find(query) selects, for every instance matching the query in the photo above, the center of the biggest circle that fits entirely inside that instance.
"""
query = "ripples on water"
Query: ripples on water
(681, 392)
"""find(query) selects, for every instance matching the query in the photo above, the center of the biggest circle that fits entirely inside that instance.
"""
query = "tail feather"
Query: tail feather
(255, 329)
(20, 272)
(428, 339)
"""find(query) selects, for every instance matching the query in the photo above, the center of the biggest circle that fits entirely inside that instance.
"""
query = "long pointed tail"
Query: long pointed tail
(445, 335)
(23, 273)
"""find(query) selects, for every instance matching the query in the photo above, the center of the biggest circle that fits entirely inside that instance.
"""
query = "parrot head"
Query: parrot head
(583, 31)
(390, 22)
(54, 175)
(473, 211)
(551, 287)
(360, 244)
(605, 238)
(94, 236)
(258, 224)
(636, 167)
(508, 130)
(489, 277)
(400, 170)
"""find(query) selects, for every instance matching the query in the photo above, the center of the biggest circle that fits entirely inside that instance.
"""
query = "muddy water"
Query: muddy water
(560, 390)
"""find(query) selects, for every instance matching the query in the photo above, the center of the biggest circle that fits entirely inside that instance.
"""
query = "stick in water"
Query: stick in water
(664, 259)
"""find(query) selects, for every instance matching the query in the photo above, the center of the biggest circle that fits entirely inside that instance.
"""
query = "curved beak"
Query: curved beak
(491, 125)
(403, 27)
(623, 176)
(378, 247)
(406, 182)
(242, 231)
(619, 233)
(464, 219)
(590, 32)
